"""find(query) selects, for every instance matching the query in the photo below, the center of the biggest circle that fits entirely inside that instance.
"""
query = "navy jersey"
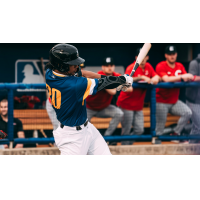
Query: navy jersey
(68, 96)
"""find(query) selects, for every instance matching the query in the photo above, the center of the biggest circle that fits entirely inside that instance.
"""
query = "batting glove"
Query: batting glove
(129, 83)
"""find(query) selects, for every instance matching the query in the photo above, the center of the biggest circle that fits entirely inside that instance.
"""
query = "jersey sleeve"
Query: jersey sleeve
(19, 125)
(129, 69)
(85, 87)
(160, 70)
(116, 74)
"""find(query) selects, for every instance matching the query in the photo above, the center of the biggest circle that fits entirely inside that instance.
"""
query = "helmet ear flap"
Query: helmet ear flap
(63, 68)
(57, 65)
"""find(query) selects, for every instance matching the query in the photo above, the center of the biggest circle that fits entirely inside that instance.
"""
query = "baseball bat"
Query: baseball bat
(143, 52)
(43, 133)
(43, 66)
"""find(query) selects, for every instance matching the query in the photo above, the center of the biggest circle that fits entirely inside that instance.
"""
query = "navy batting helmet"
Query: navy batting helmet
(63, 55)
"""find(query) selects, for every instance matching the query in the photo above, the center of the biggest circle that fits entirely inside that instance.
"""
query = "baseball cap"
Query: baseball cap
(138, 51)
(108, 61)
(170, 49)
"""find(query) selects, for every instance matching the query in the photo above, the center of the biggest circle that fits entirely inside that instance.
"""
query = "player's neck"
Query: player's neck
(142, 67)
(107, 74)
(172, 65)
(5, 118)
(63, 73)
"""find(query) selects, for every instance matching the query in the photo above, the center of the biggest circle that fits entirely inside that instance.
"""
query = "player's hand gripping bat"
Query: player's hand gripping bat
(143, 52)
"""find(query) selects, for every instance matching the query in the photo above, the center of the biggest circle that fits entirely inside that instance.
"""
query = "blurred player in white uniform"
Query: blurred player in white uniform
(68, 88)
(52, 114)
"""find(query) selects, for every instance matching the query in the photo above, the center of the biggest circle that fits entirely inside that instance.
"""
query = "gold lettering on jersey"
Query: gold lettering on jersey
(49, 89)
(56, 95)
(87, 92)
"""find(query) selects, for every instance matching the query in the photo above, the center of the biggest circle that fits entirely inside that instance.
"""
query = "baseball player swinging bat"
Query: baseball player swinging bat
(143, 52)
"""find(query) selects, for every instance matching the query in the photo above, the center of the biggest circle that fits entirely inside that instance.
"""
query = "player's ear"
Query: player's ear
(147, 58)
(135, 57)
(166, 56)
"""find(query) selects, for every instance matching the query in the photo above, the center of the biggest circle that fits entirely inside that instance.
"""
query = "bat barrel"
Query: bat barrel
(143, 52)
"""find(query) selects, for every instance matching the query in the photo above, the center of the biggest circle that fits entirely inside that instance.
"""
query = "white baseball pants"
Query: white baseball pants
(87, 141)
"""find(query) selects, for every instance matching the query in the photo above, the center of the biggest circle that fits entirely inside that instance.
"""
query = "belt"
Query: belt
(78, 128)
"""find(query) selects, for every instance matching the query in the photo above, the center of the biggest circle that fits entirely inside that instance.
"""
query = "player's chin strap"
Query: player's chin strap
(110, 82)
(78, 72)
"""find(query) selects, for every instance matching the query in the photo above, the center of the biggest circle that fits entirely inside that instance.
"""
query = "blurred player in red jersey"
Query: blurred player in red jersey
(132, 101)
(168, 99)
(99, 105)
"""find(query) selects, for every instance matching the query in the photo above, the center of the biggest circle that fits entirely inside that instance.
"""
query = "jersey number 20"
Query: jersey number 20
(55, 96)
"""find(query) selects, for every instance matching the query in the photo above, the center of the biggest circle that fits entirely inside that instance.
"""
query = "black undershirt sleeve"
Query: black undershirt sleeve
(78, 72)
(110, 82)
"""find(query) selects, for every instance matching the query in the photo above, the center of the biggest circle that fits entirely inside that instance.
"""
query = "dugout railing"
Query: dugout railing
(152, 136)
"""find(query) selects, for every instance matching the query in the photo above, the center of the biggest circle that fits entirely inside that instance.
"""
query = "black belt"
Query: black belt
(78, 128)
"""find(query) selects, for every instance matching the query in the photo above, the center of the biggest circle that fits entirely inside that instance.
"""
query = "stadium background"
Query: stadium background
(123, 54)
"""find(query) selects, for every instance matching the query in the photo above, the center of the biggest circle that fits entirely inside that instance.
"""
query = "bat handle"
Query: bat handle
(134, 69)
(119, 88)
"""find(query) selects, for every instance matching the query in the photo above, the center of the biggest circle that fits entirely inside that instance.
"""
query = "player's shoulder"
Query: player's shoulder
(116, 74)
(194, 62)
(49, 75)
(179, 64)
(79, 80)
(101, 72)
(161, 64)
(148, 65)
(17, 121)
(48, 72)
(130, 67)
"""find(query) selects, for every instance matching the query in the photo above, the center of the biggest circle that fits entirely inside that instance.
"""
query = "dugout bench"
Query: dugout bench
(39, 120)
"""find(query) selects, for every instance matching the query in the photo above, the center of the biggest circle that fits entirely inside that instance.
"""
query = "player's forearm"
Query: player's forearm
(156, 78)
(136, 79)
(19, 146)
(129, 90)
(20, 134)
(171, 78)
(111, 91)
(111, 82)
(92, 75)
